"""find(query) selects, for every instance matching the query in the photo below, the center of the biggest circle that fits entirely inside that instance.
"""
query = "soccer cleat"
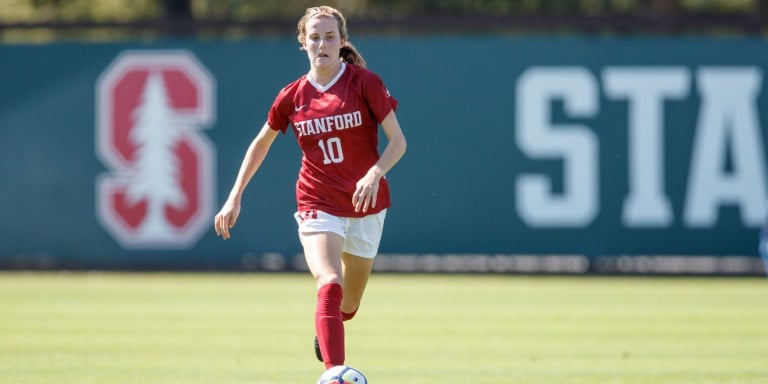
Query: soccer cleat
(317, 350)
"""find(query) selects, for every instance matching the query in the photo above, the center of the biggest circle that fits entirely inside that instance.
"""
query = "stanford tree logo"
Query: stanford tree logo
(150, 109)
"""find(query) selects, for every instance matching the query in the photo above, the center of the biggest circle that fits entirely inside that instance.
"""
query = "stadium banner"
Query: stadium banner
(525, 155)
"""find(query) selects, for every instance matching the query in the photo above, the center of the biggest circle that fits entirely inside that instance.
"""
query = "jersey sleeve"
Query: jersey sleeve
(277, 118)
(377, 96)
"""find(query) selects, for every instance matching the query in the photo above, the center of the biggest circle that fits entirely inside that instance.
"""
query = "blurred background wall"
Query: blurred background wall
(544, 136)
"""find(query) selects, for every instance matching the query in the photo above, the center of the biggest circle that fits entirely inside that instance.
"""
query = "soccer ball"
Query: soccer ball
(342, 374)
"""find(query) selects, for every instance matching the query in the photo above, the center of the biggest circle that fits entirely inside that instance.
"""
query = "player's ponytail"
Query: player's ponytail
(348, 53)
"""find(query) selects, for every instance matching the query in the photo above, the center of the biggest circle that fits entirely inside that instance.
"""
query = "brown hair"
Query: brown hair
(348, 53)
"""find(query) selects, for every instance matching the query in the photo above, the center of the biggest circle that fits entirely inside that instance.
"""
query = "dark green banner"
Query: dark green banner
(525, 154)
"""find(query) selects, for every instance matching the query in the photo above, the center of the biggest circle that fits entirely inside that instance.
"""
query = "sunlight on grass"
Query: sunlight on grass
(209, 328)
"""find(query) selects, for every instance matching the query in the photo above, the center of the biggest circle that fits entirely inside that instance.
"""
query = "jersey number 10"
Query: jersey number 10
(331, 150)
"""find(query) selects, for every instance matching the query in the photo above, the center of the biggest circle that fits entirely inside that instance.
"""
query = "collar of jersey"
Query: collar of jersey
(323, 88)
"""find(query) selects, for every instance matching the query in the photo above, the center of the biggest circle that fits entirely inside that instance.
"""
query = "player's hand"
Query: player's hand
(226, 219)
(366, 192)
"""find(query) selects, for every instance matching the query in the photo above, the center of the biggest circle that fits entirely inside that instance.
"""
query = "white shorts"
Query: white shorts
(362, 235)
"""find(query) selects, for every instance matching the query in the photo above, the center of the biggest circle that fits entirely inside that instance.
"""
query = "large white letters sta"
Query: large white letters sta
(727, 126)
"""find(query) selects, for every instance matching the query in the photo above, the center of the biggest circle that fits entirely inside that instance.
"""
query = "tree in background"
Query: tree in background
(100, 10)
(156, 176)
(45, 20)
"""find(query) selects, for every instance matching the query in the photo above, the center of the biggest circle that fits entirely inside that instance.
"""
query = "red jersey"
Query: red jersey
(337, 129)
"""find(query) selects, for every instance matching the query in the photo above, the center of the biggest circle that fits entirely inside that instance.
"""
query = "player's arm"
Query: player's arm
(368, 187)
(254, 156)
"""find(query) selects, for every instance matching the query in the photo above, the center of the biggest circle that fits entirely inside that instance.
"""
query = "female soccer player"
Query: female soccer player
(342, 194)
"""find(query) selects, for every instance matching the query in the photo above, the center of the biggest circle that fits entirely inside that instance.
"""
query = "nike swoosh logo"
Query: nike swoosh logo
(299, 108)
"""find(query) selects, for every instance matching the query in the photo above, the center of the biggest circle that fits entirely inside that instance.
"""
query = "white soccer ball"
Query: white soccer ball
(342, 374)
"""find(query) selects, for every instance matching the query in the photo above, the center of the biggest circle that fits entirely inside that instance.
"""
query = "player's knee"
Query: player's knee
(328, 278)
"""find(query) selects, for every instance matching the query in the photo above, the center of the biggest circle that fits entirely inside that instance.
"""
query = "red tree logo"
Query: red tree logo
(158, 190)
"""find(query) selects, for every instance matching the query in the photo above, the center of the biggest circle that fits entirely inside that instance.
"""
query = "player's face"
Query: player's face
(323, 42)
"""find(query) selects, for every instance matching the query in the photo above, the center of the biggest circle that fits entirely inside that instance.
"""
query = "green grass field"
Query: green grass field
(101, 328)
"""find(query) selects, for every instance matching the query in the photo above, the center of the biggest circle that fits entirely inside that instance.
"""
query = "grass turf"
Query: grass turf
(109, 328)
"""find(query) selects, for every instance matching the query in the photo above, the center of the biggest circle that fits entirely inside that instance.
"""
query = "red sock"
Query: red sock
(348, 316)
(328, 324)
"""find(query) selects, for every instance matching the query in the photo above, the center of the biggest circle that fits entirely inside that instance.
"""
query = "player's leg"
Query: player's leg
(322, 251)
(356, 271)
(363, 236)
(323, 254)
